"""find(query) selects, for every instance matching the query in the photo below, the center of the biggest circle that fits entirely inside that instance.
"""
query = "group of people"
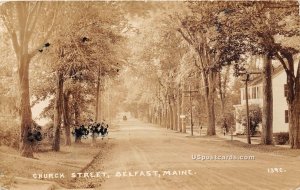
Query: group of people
(34, 133)
(93, 128)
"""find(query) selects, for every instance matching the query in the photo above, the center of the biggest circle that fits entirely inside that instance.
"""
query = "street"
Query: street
(141, 147)
(95, 94)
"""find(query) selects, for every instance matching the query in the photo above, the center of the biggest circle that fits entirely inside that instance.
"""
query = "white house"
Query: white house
(255, 97)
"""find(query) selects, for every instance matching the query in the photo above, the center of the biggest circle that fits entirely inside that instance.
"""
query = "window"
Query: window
(254, 93)
(285, 90)
(286, 116)
(259, 92)
(249, 97)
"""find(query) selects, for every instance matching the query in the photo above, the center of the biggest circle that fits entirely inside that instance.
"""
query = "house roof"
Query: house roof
(259, 79)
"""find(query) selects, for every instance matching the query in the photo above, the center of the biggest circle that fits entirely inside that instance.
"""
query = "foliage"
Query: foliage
(255, 117)
(269, 28)
(230, 121)
(192, 44)
(281, 138)
(9, 134)
(91, 46)
(155, 63)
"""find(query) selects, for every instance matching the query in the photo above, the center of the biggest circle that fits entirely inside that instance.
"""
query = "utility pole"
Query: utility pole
(191, 107)
(178, 110)
(101, 101)
(182, 109)
(247, 108)
(192, 124)
(246, 80)
(108, 106)
(97, 95)
(160, 107)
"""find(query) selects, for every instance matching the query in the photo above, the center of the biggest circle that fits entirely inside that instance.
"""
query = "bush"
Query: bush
(47, 131)
(10, 134)
(228, 121)
(255, 117)
(281, 138)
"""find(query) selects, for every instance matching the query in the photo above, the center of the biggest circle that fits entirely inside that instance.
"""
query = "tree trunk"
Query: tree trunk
(267, 112)
(209, 100)
(149, 114)
(208, 76)
(161, 112)
(294, 123)
(178, 110)
(294, 107)
(222, 98)
(67, 119)
(175, 116)
(183, 126)
(293, 96)
(77, 117)
(162, 117)
(222, 85)
(211, 116)
(155, 116)
(58, 111)
(25, 111)
(171, 120)
(97, 118)
(167, 117)
(20, 28)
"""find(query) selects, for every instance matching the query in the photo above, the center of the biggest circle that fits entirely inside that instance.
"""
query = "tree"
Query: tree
(222, 89)
(89, 49)
(265, 27)
(159, 56)
(293, 95)
(201, 31)
(29, 25)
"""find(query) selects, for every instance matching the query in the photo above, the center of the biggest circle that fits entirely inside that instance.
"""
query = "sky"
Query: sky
(37, 109)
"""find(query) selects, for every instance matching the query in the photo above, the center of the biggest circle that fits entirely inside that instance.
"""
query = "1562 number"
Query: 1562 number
(276, 170)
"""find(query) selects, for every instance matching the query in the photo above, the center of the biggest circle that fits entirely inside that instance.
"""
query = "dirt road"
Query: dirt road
(149, 157)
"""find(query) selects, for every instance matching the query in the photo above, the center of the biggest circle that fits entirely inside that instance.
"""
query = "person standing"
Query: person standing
(224, 127)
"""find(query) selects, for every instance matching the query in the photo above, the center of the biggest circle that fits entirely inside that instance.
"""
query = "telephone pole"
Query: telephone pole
(191, 107)
(246, 80)
(247, 108)
(182, 110)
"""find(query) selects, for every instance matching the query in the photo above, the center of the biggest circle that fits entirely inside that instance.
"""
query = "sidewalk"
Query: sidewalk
(243, 139)
(254, 140)
(196, 132)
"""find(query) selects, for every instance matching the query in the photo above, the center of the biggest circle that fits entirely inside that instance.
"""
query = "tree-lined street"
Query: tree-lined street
(127, 87)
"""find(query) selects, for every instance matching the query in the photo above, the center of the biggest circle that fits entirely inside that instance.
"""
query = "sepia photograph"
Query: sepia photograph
(150, 95)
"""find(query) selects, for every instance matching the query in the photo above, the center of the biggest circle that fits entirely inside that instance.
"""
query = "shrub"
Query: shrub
(228, 121)
(255, 117)
(10, 134)
(47, 131)
(281, 138)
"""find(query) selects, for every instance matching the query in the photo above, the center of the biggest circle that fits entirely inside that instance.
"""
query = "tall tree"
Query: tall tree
(29, 25)
(266, 26)
(89, 43)
(197, 29)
